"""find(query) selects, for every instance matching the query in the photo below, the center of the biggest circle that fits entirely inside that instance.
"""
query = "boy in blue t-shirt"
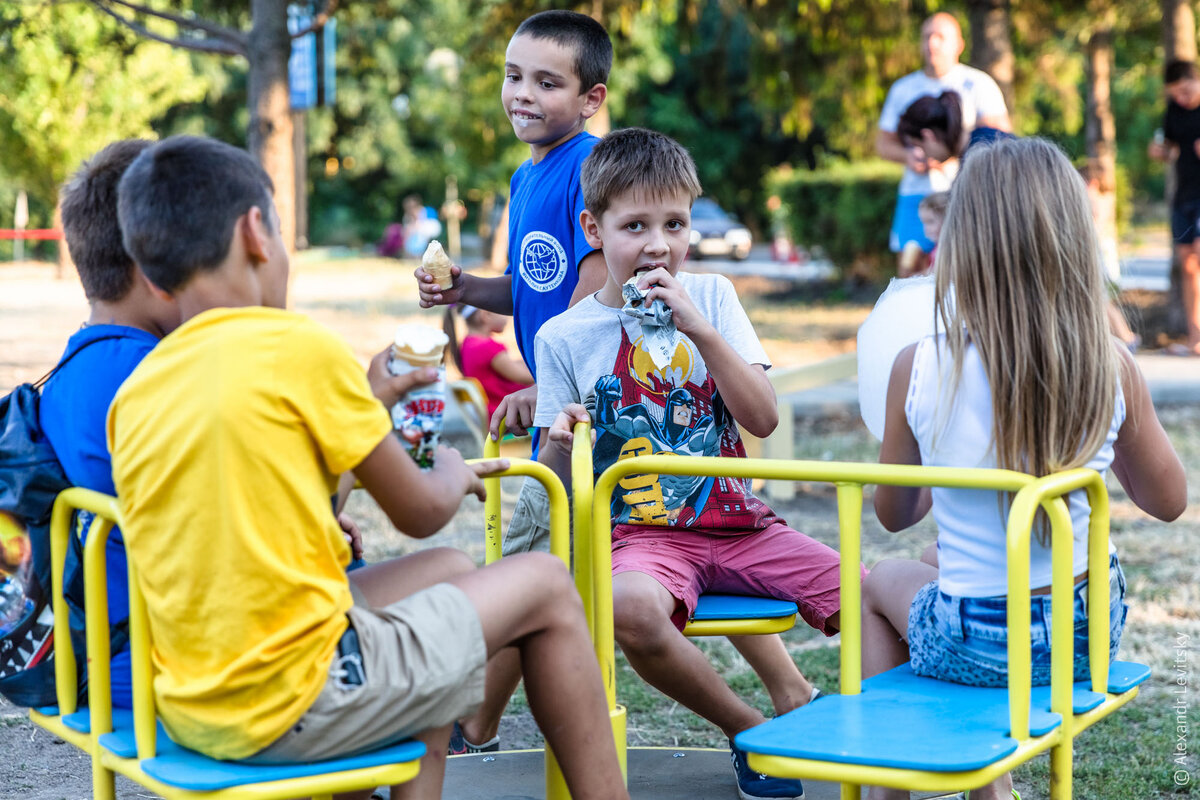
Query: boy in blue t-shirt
(554, 81)
(127, 319)
(555, 70)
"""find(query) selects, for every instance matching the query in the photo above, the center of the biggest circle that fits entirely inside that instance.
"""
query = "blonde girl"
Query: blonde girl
(1027, 378)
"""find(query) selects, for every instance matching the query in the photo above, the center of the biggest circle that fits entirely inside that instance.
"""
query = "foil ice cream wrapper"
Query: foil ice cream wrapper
(660, 337)
(417, 418)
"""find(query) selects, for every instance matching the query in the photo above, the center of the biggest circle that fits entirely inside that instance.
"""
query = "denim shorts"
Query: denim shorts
(1184, 217)
(965, 639)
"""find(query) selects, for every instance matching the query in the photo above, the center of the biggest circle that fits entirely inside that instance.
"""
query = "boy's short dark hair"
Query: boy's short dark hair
(179, 202)
(1179, 70)
(89, 220)
(636, 159)
(581, 33)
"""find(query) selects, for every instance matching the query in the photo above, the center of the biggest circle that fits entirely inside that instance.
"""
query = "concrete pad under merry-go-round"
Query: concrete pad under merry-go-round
(655, 773)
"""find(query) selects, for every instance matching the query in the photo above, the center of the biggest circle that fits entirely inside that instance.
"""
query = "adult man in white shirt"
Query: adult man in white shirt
(982, 106)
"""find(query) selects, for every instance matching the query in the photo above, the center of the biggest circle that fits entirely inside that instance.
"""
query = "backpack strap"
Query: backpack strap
(40, 382)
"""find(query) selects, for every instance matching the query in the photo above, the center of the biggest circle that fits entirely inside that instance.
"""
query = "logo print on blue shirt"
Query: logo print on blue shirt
(543, 261)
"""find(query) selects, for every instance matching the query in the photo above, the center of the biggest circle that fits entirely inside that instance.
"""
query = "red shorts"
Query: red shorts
(773, 562)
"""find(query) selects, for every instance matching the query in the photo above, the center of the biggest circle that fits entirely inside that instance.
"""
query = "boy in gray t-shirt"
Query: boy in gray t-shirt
(676, 537)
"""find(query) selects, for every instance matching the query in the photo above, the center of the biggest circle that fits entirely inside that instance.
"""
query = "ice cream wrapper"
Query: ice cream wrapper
(660, 337)
(417, 418)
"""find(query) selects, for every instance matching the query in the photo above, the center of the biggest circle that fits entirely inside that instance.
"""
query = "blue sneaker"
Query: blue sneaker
(756, 786)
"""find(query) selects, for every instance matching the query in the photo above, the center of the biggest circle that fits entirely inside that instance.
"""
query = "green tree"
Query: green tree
(264, 41)
(73, 82)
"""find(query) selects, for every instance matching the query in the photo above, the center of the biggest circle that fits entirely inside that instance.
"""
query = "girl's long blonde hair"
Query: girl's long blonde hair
(1020, 250)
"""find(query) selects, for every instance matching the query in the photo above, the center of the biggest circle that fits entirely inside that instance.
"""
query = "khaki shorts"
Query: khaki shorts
(423, 663)
(529, 530)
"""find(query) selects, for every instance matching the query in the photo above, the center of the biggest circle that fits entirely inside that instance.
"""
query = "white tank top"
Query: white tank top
(954, 429)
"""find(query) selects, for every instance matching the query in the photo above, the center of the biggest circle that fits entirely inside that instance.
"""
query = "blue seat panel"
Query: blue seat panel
(81, 720)
(121, 742)
(905, 721)
(186, 769)
(735, 606)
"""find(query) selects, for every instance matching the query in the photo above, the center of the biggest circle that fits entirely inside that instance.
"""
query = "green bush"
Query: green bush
(845, 209)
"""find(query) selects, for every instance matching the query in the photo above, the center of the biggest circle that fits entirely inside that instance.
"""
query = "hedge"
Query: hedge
(845, 209)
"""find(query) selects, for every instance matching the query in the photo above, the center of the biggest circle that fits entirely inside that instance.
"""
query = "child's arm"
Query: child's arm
(510, 368)
(898, 507)
(745, 388)
(559, 439)
(419, 503)
(1144, 460)
(490, 294)
(593, 274)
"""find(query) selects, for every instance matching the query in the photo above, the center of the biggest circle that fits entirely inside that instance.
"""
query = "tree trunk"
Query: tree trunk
(300, 154)
(1101, 134)
(1179, 44)
(270, 135)
(991, 42)
(1179, 30)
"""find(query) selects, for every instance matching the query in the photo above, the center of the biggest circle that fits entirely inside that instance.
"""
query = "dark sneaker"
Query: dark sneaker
(756, 786)
(459, 746)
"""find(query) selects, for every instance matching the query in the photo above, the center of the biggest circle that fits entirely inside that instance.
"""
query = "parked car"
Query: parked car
(715, 232)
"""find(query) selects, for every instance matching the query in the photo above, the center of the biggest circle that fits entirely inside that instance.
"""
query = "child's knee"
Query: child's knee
(638, 613)
(876, 587)
(452, 562)
(547, 575)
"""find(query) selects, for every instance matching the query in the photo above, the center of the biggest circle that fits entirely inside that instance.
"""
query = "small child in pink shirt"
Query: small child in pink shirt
(484, 358)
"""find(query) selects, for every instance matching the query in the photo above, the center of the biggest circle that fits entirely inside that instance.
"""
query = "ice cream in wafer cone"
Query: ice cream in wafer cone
(437, 263)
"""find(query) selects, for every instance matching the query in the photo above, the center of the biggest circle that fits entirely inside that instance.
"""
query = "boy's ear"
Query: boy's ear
(591, 228)
(155, 291)
(256, 237)
(593, 99)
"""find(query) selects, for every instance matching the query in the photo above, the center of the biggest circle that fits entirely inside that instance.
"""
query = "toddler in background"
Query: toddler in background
(484, 358)
(932, 211)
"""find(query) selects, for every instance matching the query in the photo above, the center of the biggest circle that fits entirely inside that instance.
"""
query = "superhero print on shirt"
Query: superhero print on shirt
(641, 410)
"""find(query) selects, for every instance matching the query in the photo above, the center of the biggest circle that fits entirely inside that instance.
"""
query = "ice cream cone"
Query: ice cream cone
(437, 263)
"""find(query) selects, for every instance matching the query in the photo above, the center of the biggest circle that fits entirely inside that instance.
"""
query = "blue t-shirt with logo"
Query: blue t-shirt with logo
(73, 413)
(545, 242)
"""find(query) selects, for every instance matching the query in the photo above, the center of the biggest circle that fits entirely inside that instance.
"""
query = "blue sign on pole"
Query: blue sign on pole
(329, 53)
(302, 64)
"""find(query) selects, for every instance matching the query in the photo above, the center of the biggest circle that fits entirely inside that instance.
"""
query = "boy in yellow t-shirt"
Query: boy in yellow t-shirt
(227, 442)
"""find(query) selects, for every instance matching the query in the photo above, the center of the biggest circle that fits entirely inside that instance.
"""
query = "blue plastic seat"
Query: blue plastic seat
(904, 721)
(134, 743)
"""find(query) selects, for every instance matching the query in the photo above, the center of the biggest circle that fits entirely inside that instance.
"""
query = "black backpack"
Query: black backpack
(30, 479)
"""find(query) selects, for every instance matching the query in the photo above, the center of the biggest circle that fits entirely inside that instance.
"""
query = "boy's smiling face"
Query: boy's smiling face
(541, 93)
(639, 232)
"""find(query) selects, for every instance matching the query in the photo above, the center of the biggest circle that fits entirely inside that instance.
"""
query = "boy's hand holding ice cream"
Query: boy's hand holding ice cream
(437, 270)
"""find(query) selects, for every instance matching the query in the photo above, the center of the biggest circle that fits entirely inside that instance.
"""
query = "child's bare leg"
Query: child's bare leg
(770, 660)
(428, 783)
(395, 579)
(529, 601)
(503, 675)
(888, 593)
(666, 660)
